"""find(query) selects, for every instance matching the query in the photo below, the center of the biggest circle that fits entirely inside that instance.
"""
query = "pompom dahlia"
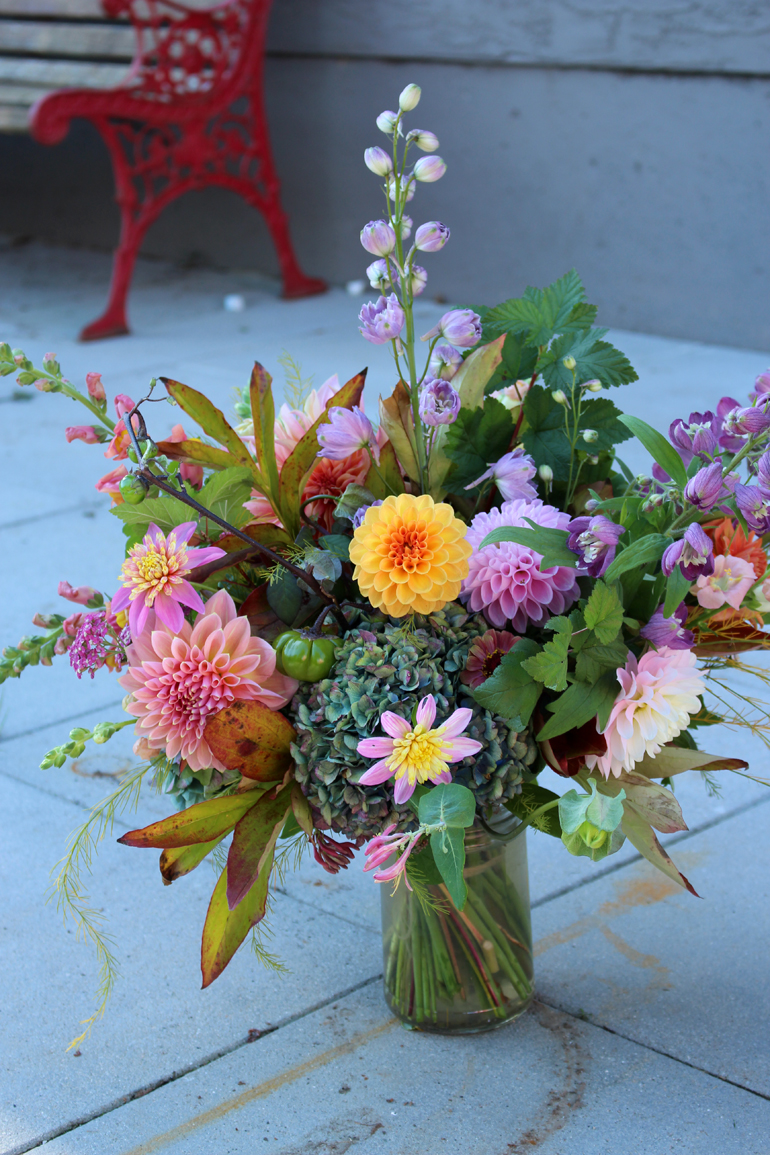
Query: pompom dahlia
(658, 694)
(505, 580)
(410, 554)
(178, 680)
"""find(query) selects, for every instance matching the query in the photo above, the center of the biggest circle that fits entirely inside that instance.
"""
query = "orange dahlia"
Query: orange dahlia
(410, 554)
(729, 538)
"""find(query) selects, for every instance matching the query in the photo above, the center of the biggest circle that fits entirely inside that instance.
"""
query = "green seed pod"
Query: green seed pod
(132, 490)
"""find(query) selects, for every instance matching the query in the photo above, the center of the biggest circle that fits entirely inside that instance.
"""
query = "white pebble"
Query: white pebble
(234, 303)
(355, 288)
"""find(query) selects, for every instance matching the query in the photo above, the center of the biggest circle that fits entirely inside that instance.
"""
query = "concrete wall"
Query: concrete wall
(629, 140)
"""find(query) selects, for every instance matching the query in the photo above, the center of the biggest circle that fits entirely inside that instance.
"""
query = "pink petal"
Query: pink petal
(120, 600)
(169, 612)
(394, 724)
(154, 533)
(404, 789)
(184, 532)
(184, 593)
(223, 605)
(455, 723)
(137, 617)
(379, 772)
(202, 556)
(375, 747)
(426, 712)
(461, 748)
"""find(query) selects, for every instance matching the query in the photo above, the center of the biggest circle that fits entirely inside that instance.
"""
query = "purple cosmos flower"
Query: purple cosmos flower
(377, 161)
(747, 421)
(431, 236)
(379, 275)
(461, 327)
(429, 169)
(754, 504)
(761, 388)
(704, 490)
(727, 440)
(511, 474)
(439, 403)
(669, 631)
(381, 321)
(595, 541)
(693, 553)
(348, 431)
(444, 362)
(378, 238)
(360, 514)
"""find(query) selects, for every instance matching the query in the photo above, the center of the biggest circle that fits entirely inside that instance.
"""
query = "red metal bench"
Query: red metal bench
(189, 114)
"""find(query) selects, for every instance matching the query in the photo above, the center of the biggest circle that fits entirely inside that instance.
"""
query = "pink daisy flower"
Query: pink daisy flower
(658, 693)
(179, 679)
(417, 753)
(153, 578)
(731, 580)
(505, 580)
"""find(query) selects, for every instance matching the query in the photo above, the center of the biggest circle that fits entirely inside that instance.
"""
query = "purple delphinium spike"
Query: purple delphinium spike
(693, 553)
(595, 541)
(763, 472)
(754, 504)
(761, 391)
(669, 631)
(727, 440)
(381, 321)
(439, 402)
(704, 490)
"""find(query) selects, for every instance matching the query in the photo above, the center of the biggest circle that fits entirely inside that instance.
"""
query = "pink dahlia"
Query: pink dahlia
(153, 577)
(179, 679)
(505, 580)
(658, 693)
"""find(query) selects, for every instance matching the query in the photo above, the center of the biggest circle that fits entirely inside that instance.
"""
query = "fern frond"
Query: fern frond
(296, 388)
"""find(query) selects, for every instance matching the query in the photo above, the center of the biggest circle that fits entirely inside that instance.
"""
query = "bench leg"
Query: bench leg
(113, 321)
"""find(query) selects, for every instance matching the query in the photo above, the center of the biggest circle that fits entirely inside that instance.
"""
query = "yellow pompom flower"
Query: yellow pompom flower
(410, 554)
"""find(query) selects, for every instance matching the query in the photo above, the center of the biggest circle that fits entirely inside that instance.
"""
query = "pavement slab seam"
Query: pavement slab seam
(605, 872)
(656, 1050)
(111, 705)
(313, 906)
(252, 1037)
(81, 507)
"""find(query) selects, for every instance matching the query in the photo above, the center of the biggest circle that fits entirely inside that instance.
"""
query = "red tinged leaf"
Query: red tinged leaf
(641, 835)
(180, 860)
(263, 416)
(197, 453)
(212, 421)
(387, 477)
(253, 842)
(225, 929)
(200, 823)
(253, 739)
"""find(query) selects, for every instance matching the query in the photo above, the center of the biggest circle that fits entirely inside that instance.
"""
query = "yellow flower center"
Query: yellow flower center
(418, 755)
(151, 569)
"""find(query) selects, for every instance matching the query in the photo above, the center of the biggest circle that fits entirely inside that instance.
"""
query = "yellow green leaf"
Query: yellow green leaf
(180, 860)
(225, 929)
(388, 470)
(263, 416)
(254, 839)
(213, 422)
(200, 823)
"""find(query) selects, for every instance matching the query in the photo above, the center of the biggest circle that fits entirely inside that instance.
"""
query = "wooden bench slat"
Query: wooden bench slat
(89, 9)
(67, 40)
(13, 118)
(50, 74)
(23, 95)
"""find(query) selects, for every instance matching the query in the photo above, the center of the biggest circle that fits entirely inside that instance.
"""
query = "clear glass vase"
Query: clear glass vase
(459, 972)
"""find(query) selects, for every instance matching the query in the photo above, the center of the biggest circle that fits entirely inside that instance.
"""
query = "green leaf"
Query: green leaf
(511, 692)
(551, 543)
(594, 357)
(449, 802)
(473, 375)
(166, 512)
(578, 704)
(531, 798)
(383, 480)
(212, 421)
(603, 416)
(225, 929)
(604, 612)
(421, 866)
(519, 358)
(200, 823)
(338, 544)
(658, 447)
(550, 665)
(601, 810)
(639, 553)
(477, 438)
(544, 436)
(541, 313)
(180, 860)
(263, 416)
(224, 494)
(677, 585)
(448, 848)
(595, 660)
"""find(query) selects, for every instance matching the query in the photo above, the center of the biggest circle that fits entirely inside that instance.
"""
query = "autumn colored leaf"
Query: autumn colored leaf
(396, 420)
(180, 860)
(249, 737)
(213, 422)
(200, 823)
(386, 479)
(225, 929)
(263, 416)
(301, 810)
(253, 842)
(197, 453)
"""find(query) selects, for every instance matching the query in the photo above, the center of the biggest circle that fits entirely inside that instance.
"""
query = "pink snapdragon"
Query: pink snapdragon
(85, 433)
(731, 580)
(417, 753)
(153, 577)
(82, 596)
(95, 388)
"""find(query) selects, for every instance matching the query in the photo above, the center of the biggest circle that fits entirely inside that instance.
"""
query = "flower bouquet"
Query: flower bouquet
(335, 636)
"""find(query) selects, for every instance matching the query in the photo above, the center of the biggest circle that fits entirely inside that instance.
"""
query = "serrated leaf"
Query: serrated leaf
(540, 313)
(519, 357)
(604, 612)
(639, 553)
(551, 543)
(544, 436)
(550, 665)
(593, 661)
(677, 586)
(224, 494)
(477, 438)
(658, 448)
(531, 798)
(594, 357)
(578, 704)
(166, 512)
(511, 691)
(604, 417)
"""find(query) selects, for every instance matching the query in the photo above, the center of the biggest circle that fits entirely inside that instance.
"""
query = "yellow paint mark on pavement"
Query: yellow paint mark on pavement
(261, 1091)
(639, 892)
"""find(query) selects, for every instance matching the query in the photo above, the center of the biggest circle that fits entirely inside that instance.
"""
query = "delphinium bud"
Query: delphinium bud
(429, 169)
(378, 238)
(410, 97)
(386, 122)
(406, 228)
(427, 141)
(379, 277)
(545, 473)
(444, 362)
(560, 397)
(431, 236)
(569, 363)
(418, 280)
(405, 184)
(593, 386)
(378, 161)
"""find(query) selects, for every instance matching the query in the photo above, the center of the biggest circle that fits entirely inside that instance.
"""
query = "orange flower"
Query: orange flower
(410, 554)
(730, 540)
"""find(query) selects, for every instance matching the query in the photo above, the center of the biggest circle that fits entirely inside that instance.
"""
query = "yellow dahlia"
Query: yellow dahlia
(410, 554)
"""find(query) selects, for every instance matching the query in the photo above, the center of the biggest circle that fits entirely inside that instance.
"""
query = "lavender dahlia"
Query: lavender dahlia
(693, 553)
(595, 541)
(382, 320)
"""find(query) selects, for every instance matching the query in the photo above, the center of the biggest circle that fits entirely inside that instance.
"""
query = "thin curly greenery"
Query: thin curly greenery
(72, 899)
(296, 387)
(737, 709)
